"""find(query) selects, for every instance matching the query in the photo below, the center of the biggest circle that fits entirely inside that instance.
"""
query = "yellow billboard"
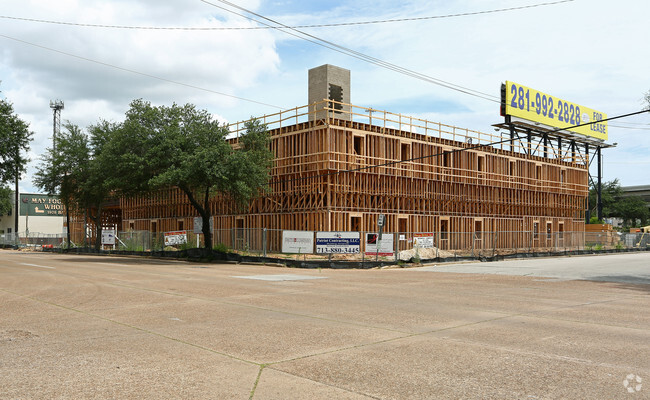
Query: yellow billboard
(533, 105)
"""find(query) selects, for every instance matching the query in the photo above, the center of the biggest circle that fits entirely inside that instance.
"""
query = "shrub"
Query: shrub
(221, 248)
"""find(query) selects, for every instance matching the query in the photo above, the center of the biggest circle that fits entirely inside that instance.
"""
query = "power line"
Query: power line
(352, 53)
(465, 14)
(630, 127)
(391, 163)
(141, 73)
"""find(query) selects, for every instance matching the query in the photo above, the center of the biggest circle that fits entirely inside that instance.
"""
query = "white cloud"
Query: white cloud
(592, 53)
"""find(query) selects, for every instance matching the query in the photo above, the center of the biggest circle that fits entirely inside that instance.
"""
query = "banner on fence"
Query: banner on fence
(108, 236)
(338, 243)
(175, 238)
(298, 242)
(384, 246)
(423, 240)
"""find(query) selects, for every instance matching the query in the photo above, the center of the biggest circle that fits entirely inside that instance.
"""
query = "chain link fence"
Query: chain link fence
(405, 246)
(35, 240)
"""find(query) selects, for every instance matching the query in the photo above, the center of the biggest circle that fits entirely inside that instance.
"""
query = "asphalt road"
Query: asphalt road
(93, 327)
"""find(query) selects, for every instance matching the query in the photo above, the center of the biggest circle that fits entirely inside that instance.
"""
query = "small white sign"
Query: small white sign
(385, 245)
(175, 238)
(338, 243)
(298, 242)
(108, 236)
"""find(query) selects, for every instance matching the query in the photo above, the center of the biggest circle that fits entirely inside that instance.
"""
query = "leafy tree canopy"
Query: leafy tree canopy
(74, 169)
(615, 204)
(5, 200)
(14, 142)
(182, 146)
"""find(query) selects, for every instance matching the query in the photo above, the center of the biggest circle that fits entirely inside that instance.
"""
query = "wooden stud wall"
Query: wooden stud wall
(325, 172)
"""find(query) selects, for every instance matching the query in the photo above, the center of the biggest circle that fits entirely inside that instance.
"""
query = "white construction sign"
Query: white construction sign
(338, 243)
(175, 238)
(423, 240)
(386, 245)
(108, 236)
(298, 242)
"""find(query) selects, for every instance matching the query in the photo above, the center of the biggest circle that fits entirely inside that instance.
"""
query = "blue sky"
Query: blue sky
(591, 52)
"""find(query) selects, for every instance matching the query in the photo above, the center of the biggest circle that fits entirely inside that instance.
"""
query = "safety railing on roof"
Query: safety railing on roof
(405, 125)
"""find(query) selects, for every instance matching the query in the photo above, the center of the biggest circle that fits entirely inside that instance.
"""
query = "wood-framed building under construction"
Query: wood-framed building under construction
(338, 166)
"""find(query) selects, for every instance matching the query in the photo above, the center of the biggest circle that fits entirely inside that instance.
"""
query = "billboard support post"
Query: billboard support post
(600, 176)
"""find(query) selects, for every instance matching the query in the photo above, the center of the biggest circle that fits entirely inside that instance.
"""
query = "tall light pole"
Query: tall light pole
(56, 106)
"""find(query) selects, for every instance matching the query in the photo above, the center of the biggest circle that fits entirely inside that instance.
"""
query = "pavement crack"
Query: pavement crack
(394, 339)
(257, 380)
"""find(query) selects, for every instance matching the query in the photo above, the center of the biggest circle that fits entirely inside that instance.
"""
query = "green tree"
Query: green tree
(615, 204)
(14, 142)
(610, 192)
(74, 171)
(61, 166)
(631, 209)
(181, 146)
(5, 200)
(94, 188)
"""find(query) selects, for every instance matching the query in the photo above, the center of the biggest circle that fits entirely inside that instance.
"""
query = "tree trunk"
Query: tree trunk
(67, 223)
(207, 233)
(98, 228)
(203, 212)
(85, 227)
(17, 210)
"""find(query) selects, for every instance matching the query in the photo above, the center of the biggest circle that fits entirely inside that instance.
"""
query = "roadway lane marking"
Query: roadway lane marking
(112, 264)
(39, 266)
(281, 277)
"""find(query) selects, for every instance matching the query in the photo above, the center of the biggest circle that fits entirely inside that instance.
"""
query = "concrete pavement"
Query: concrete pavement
(87, 327)
(619, 267)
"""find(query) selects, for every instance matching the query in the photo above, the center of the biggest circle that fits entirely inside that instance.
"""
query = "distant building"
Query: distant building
(40, 214)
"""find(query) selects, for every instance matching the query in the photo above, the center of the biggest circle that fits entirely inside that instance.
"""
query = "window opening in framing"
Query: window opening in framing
(535, 230)
(181, 225)
(131, 226)
(481, 164)
(560, 230)
(446, 159)
(549, 230)
(355, 224)
(406, 152)
(562, 175)
(512, 169)
(357, 143)
(478, 229)
(336, 94)
(154, 226)
(402, 225)
(444, 229)
(239, 224)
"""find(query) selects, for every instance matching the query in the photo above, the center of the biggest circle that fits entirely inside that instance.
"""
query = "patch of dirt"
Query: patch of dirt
(16, 334)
